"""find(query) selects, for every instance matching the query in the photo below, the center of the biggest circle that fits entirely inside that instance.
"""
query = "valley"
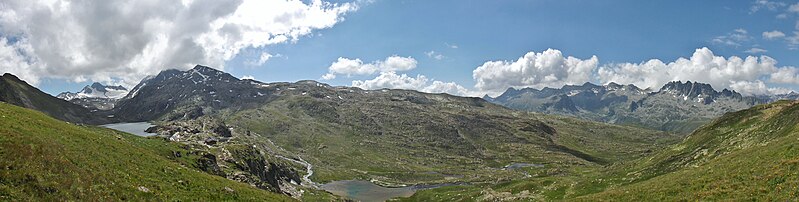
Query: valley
(312, 141)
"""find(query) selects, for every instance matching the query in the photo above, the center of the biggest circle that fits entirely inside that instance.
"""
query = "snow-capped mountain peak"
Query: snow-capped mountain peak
(96, 90)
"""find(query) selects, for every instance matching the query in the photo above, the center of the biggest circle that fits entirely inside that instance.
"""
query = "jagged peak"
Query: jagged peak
(202, 67)
(97, 85)
(688, 85)
(586, 84)
(206, 70)
(614, 84)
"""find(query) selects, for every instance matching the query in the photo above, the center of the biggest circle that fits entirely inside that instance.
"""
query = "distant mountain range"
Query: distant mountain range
(96, 96)
(677, 106)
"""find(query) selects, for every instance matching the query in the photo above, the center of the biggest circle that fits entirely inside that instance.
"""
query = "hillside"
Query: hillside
(676, 107)
(43, 159)
(746, 155)
(17, 92)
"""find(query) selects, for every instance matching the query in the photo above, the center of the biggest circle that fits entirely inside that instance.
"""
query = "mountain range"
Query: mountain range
(217, 134)
(677, 107)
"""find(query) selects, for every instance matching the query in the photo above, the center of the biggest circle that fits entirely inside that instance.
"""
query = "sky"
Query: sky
(460, 47)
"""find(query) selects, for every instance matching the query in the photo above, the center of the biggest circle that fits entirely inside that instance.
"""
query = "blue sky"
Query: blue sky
(467, 34)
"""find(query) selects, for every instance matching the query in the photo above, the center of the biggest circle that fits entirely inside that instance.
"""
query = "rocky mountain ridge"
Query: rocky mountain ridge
(677, 106)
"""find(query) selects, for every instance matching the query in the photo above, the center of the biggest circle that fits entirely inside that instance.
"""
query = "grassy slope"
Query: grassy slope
(45, 159)
(746, 155)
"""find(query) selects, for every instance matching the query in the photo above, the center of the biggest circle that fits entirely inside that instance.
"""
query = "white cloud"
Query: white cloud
(788, 75)
(392, 80)
(741, 31)
(734, 38)
(794, 8)
(773, 35)
(260, 60)
(452, 46)
(248, 77)
(756, 88)
(765, 4)
(749, 75)
(328, 76)
(349, 67)
(110, 40)
(546, 69)
(264, 57)
(434, 55)
(13, 60)
(703, 66)
(396, 63)
(756, 50)
(793, 41)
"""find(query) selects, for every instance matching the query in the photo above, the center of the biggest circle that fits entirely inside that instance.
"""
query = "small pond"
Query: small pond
(367, 191)
(513, 166)
(136, 128)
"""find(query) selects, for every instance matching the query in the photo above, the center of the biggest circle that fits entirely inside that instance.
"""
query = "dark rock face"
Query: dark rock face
(268, 174)
(207, 162)
(696, 90)
(222, 131)
(183, 95)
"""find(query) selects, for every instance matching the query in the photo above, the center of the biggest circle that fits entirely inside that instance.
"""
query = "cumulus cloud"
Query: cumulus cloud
(349, 67)
(756, 88)
(702, 66)
(392, 80)
(773, 35)
(786, 75)
(124, 41)
(545, 69)
(749, 75)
